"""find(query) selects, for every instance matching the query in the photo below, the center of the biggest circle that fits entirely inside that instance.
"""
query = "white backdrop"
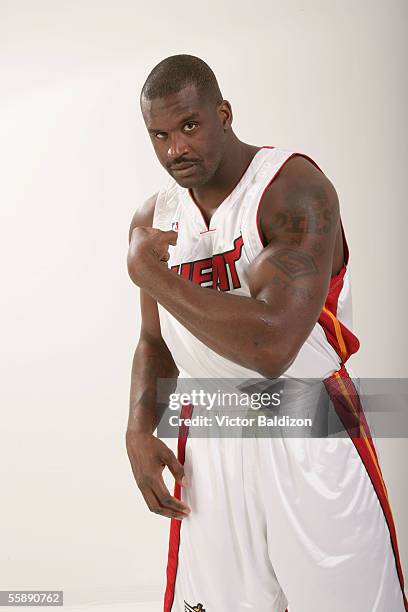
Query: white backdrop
(325, 78)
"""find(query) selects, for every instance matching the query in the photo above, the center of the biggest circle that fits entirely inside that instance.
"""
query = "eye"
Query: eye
(190, 126)
(160, 135)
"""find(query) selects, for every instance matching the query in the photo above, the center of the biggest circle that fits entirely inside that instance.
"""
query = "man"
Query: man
(257, 524)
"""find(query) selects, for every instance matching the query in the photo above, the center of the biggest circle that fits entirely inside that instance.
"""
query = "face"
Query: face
(188, 134)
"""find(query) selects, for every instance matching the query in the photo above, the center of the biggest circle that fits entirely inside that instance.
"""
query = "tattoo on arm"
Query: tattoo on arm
(299, 226)
(308, 213)
(293, 263)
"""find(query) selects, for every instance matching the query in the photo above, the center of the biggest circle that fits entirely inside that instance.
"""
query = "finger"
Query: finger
(176, 468)
(161, 249)
(170, 236)
(155, 506)
(165, 498)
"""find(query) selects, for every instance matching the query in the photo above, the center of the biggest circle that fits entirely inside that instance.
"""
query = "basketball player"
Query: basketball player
(242, 263)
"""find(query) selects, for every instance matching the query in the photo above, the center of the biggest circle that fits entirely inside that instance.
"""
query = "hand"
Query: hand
(148, 457)
(148, 245)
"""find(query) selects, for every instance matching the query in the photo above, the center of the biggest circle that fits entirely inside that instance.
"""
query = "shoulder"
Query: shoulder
(143, 216)
(301, 199)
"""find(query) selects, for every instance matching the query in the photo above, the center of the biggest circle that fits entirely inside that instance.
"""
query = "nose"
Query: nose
(178, 147)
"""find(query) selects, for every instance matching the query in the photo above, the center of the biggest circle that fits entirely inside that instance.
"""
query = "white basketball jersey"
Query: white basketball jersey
(218, 255)
(283, 507)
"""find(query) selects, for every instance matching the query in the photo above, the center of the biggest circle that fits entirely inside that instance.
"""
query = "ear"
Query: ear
(225, 113)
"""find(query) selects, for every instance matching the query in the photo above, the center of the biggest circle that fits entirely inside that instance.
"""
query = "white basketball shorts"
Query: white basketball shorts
(276, 524)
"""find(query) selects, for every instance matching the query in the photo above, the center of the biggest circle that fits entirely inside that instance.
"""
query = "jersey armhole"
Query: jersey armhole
(346, 253)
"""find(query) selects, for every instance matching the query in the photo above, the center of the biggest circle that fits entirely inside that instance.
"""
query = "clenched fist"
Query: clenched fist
(148, 247)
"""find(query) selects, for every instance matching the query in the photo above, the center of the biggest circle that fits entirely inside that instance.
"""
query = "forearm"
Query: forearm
(239, 328)
(145, 407)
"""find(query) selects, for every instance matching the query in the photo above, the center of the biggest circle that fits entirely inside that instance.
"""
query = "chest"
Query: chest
(210, 254)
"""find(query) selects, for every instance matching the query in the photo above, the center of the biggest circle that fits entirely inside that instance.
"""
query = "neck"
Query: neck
(238, 155)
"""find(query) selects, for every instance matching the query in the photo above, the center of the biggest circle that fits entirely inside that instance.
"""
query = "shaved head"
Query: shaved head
(176, 72)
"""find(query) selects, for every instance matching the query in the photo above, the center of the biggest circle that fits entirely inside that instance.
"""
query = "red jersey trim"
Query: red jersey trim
(175, 525)
(347, 404)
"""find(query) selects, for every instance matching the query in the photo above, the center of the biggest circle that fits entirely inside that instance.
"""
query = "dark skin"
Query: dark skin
(288, 281)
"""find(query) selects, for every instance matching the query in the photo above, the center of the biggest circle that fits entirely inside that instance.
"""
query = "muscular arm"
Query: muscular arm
(152, 358)
(289, 280)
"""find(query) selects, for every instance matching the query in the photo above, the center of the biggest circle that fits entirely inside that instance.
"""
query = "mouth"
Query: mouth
(184, 169)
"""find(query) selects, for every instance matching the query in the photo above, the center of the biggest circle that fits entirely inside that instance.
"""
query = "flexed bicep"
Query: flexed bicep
(292, 273)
